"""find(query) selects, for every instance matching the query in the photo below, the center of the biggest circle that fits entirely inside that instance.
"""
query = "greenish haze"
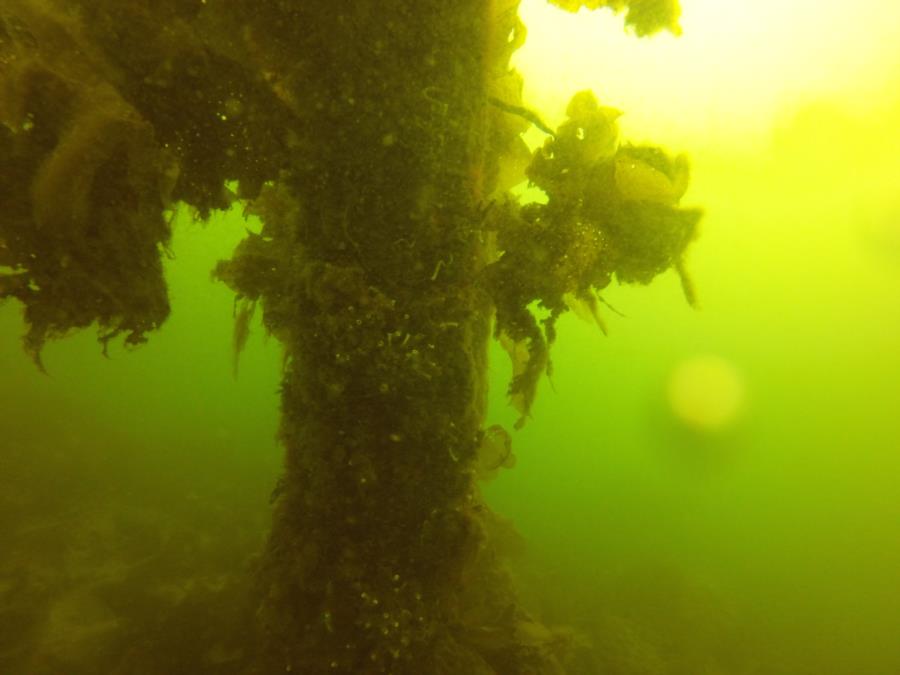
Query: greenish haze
(777, 537)
(769, 547)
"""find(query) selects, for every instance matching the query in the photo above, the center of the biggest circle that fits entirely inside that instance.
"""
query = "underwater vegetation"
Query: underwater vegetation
(82, 191)
(370, 139)
(645, 17)
(611, 212)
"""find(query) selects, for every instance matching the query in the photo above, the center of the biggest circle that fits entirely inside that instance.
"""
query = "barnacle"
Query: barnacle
(638, 180)
(494, 452)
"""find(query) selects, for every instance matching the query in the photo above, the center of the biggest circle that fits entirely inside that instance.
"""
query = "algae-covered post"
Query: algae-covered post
(369, 137)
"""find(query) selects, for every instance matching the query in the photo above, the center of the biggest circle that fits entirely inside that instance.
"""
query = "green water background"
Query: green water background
(784, 528)
(772, 546)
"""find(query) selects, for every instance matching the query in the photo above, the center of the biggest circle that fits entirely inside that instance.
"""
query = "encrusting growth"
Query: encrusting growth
(611, 211)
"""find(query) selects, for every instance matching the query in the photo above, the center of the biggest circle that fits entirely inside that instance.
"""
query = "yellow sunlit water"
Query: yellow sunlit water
(736, 66)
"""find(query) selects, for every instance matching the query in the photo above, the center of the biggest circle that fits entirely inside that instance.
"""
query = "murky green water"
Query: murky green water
(747, 522)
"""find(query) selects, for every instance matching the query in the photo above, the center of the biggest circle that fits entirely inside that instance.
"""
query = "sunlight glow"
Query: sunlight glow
(738, 63)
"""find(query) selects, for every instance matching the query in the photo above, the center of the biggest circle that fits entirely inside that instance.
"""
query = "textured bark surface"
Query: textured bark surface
(379, 560)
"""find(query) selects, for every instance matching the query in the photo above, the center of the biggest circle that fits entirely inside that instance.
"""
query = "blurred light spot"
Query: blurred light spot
(706, 393)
